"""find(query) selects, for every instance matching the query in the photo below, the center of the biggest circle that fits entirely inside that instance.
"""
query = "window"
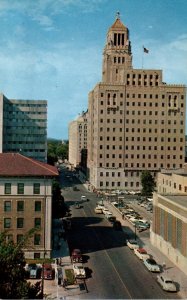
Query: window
(7, 206)
(38, 206)
(37, 222)
(20, 188)
(7, 223)
(37, 239)
(36, 255)
(19, 238)
(20, 222)
(20, 206)
(7, 188)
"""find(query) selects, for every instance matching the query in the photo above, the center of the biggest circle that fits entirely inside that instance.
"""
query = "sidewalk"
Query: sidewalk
(172, 270)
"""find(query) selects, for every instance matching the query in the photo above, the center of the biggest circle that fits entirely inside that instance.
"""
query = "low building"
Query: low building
(26, 202)
(169, 226)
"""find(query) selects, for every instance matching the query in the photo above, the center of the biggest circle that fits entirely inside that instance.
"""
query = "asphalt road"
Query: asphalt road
(114, 272)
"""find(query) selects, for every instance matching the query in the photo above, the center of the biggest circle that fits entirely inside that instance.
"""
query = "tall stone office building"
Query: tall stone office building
(136, 121)
(77, 132)
(23, 127)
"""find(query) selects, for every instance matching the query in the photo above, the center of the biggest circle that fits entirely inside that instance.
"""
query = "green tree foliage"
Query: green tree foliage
(148, 183)
(13, 283)
(58, 205)
(56, 150)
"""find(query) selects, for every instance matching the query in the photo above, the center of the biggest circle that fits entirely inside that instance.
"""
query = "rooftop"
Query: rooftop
(15, 164)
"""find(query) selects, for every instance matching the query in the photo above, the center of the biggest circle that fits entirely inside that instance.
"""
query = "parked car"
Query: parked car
(77, 205)
(108, 214)
(141, 253)
(105, 210)
(98, 210)
(151, 265)
(83, 198)
(76, 256)
(47, 271)
(117, 225)
(79, 270)
(112, 219)
(33, 270)
(132, 244)
(166, 283)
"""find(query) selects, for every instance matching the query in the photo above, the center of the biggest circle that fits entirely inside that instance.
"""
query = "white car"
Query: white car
(79, 270)
(141, 253)
(151, 265)
(108, 214)
(105, 210)
(166, 283)
(98, 210)
(83, 198)
(132, 244)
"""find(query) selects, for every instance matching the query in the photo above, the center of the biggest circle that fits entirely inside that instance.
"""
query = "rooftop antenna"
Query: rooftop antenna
(118, 15)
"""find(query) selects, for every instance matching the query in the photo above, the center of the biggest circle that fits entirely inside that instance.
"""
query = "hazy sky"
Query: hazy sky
(52, 49)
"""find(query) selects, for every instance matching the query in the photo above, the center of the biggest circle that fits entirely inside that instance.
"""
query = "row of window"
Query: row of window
(145, 96)
(119, 184)
(21, 205)
(142, 156)
(137, 147)
(144, 139)
(142, 121)
(138, 165)
(20, 223)
(179, 187)
(20, 237)
(20, 188)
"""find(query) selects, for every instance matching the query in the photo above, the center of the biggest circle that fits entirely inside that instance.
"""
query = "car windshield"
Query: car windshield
(169, 281)
(133, 242)
(151, 261)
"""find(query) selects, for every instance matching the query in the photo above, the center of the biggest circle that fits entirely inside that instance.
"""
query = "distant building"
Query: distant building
(26, 202)
(78, 141)
(23, 127)
(169, 226)
(136, 121)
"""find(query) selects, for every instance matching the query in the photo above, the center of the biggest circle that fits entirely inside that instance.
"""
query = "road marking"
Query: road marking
(110, 259)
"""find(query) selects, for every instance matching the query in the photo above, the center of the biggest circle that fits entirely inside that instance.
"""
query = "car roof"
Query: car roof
(76, 250)
(166, 278)
(142, 250)
(132, 241)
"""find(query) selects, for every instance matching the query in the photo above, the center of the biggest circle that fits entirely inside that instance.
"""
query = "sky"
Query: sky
(52, 49)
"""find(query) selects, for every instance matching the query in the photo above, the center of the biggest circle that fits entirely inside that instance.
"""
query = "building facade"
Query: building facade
(78, 140)
(26, 202)
(136, 121)
(23, 127)
(169, 227)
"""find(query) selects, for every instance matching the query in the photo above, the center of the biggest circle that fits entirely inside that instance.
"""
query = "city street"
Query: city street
(114, 272)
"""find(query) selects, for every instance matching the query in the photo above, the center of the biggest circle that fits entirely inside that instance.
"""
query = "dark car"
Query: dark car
(76, 255)
(117, 225)
(47, 271)
(112, 219)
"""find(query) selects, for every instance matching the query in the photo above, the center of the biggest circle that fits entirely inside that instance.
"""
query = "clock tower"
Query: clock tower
(117, 57)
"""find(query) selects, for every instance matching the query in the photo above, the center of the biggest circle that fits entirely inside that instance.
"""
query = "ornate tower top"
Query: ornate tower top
(117, 52)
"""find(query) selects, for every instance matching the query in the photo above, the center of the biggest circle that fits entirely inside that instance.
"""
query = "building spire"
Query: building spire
(118, 15)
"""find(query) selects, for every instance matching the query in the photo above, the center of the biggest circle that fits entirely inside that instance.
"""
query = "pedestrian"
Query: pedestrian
(164, 265)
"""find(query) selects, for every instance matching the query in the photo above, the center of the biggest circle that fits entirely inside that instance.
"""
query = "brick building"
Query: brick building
(26, 202)
(169, 226)
(136, 121)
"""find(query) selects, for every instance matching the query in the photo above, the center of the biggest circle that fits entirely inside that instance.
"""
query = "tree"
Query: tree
(58, 206)
(13, 283)
(148, 183)
(56, 150)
